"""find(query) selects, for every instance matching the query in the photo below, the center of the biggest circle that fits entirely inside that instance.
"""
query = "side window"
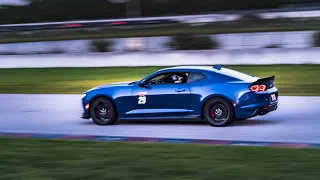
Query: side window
(158, 77)
(169, 78)
(196, 77)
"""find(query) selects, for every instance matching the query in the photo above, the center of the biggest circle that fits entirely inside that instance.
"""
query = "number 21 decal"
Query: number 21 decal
(142, 99)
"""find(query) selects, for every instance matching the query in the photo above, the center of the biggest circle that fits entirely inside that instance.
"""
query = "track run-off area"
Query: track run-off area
(295, 121)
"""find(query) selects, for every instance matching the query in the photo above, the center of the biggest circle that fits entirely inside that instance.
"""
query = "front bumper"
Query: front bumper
(85, 116)
(85, 103)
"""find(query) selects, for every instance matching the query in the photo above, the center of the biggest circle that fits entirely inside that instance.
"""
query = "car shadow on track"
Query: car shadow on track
(248, 122)
(162, 122)
(254, 122)
(154, 122)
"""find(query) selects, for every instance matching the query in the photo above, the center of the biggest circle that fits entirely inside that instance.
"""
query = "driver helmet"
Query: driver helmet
(174, 77)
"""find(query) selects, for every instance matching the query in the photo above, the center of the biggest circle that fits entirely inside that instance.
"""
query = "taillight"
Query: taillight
(258, 88)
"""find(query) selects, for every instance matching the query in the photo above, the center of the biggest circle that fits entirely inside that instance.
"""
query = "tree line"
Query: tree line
(66, 10)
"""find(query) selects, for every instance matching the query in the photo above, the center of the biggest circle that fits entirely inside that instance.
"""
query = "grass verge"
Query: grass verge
(290, 79)
(52, 159)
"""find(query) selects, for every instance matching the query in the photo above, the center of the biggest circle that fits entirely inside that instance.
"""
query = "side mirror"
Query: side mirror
(143, 83)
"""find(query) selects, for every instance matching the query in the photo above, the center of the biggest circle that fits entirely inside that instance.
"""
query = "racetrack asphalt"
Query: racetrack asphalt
(296, 120)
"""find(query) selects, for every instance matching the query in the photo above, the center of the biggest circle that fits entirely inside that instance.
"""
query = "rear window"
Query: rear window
(193, 77)
(237, 74)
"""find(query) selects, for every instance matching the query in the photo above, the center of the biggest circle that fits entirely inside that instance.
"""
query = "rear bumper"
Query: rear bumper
(257, 111)
(256, 104)
(265, 110)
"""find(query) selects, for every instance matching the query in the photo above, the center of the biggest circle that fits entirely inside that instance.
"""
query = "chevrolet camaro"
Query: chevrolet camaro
(214, 94)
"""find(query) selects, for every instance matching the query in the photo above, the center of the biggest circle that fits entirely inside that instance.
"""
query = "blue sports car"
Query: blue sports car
(212, 93)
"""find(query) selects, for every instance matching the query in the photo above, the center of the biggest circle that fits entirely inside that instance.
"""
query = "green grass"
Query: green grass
(290, 79)
(266, 26)
(30, 159)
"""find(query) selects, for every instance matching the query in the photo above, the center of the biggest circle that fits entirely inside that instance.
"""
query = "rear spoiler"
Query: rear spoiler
(268, 81)
(265, 80)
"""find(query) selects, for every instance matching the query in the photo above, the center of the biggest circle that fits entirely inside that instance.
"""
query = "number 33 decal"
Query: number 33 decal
(142, 99)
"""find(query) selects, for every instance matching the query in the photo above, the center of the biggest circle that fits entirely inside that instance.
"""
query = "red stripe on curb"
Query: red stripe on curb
(148, 139)
(19, 135)
(290, 145)
(140, 139)
(210, 142)
(76, 137)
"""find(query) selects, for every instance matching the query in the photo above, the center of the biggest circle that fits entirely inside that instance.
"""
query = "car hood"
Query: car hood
(117, 84)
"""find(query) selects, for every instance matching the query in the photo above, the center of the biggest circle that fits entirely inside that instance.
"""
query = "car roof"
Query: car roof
(216, 70)
(208, 68)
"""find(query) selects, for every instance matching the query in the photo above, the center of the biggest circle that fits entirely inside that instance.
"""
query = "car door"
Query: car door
(161, 100)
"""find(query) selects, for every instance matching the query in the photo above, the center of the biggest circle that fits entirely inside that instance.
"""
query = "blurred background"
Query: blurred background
(159, 33)
(104, 37)
(122, 26)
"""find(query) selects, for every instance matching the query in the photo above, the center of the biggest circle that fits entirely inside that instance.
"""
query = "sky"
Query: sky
(12, 2)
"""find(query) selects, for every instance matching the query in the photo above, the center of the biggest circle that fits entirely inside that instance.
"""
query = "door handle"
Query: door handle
(180, 90)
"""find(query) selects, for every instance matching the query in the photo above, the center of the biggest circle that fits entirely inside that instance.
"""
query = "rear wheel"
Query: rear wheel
(103, 112)
(218, 112)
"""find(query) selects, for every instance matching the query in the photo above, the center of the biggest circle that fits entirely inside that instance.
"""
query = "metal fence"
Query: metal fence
(299, 39)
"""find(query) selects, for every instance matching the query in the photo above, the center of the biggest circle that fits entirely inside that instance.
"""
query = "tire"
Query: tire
(103, 112)
(218, 112)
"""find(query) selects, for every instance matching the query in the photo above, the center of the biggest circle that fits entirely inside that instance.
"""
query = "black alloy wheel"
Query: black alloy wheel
(103, 112)
(218, 112)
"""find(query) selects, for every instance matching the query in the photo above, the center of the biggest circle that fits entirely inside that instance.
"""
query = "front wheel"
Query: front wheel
(103, 112)
(218, 112)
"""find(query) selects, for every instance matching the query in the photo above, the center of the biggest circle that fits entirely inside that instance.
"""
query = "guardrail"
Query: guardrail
(233, 57)
(82, 24)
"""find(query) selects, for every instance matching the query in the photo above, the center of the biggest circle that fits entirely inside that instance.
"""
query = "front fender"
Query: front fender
(121, 97)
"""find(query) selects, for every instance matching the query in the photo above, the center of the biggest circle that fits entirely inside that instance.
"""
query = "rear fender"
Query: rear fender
(217, 96)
